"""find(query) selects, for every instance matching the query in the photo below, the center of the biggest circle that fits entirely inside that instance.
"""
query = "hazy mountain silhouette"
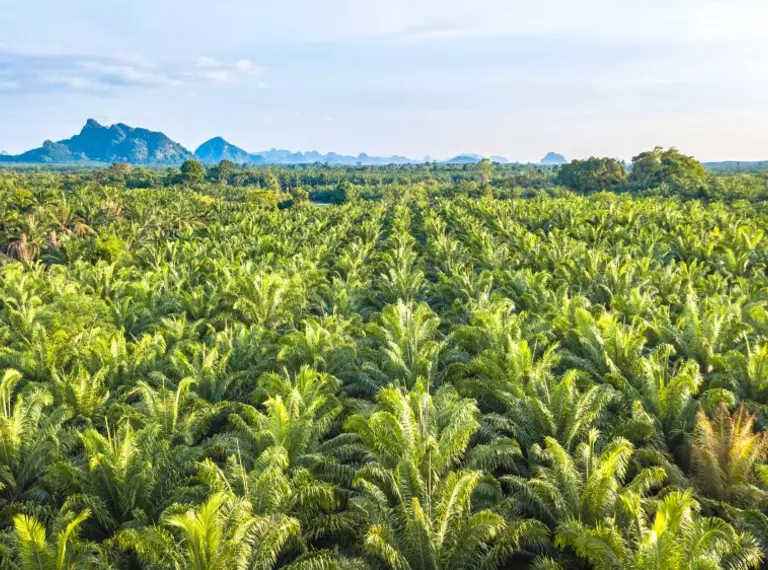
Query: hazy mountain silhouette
(99, 143)
(217, 149)
(552, 158)
(122, 143)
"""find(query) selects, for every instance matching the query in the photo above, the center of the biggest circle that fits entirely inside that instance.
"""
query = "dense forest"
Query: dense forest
(421, 367)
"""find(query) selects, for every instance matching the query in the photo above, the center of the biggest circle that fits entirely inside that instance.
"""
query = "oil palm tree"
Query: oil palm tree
(503, 366)
(327, 345)
(58, 548)
(704, 329)
(676, 538)
(270, 300)
(180, 416)
(220, 534)
(300, 410)
(275, 487)
(125, 477)
(400, 278)
(726, 452)
(417, 498)
(84, 395)
(588, 487)
(667, 392)
(746, 375)
(565, 408)
(407, 336)
(603, 346)
(29, 442)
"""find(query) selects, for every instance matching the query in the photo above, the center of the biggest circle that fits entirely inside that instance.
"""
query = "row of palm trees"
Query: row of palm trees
(197, 382)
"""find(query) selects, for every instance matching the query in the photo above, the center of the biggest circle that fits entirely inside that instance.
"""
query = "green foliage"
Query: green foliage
(445, 367)
(674, 538)
(35, 550)
(346, 192)
(299, 196)
(592, 175)
(223, 171)
(192, 171)
(110, 248)
(659, 167)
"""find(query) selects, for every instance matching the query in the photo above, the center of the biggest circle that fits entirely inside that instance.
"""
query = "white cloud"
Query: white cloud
(244, 65)
(213, 70)
(119, 73)
(45, 72)
(70, 81)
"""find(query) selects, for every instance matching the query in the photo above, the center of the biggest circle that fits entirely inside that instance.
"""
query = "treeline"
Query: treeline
(656, 172)
(663, 172)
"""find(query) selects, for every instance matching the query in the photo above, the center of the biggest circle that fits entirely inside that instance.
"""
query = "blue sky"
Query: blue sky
(413, 77)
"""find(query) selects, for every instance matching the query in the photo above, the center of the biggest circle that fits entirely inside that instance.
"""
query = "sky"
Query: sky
(410, 77)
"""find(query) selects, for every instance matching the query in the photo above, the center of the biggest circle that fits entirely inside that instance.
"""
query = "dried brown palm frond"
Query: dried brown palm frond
(81, 229)
(114, 209)
(53, 241)
(726, 451)
(22, 249)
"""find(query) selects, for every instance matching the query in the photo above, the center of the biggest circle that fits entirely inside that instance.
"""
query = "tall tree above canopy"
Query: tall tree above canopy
(655, 167)
(592, 175)
(192, 171)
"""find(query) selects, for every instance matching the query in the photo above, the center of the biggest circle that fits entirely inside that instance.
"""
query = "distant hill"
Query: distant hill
(121, 143)
(465, 159)
(552, 158)
(217, 149)
(737, 165)
(117, 143)
(98, 143)
(472, 158)
(277, 156)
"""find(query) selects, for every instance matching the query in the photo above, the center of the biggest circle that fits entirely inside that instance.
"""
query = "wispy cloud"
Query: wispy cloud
(45, 72)
(111, 74)
(429, 34)
(212, 69)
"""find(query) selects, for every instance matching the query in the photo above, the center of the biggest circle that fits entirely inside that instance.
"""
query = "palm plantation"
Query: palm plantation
(455, 368)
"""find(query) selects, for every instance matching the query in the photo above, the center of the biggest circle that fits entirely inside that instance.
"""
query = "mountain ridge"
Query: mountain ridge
(217, 149)
(97, 143)
(553, 159)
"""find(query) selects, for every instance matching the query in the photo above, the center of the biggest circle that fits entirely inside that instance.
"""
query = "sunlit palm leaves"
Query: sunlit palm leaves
(725, 454)
(674, 538)
(195, 379)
